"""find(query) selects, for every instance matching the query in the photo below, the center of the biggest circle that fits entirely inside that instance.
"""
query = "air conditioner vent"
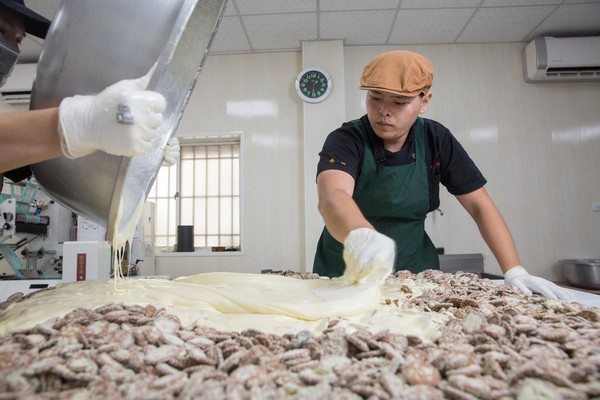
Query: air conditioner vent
(573, 59)
(22, 97)
(17, 89)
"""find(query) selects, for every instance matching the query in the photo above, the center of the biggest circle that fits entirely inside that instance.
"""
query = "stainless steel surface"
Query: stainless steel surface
(92, 44)
(461, 262)
(583, 273)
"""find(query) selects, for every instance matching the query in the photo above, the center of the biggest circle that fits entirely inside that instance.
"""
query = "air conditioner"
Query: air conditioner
(17, 89)
(569, 59)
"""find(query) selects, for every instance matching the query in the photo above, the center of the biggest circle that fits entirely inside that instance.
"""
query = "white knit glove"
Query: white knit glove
(521, 279)
(171, 154)
(368, 255)
(123, 120)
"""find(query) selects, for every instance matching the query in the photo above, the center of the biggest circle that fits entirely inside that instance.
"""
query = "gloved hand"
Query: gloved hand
(368, 255)
(123, 120)
(521, 279)
(171, 154)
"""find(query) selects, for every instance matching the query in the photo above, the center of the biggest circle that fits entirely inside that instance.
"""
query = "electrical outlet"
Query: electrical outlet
(596, 207)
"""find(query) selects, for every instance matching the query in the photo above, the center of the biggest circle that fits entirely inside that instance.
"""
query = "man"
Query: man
(80, 125)
(379, 176)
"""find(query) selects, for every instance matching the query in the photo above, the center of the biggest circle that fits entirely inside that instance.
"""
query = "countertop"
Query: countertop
(569, 286)
(583, 296)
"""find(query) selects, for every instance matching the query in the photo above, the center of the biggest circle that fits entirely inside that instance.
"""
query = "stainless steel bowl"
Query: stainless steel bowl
(92, 44)
(583, 273)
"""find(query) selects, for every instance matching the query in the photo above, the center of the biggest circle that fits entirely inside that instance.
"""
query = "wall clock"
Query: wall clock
(313, 84)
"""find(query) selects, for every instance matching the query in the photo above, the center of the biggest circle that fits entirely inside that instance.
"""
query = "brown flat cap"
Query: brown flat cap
(399, 72)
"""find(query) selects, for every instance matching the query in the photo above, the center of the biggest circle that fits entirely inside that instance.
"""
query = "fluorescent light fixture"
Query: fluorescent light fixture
(252, 108)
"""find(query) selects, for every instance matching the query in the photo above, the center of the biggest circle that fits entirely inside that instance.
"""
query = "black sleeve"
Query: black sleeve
(458, 172)
(17, 175)
(343, 150)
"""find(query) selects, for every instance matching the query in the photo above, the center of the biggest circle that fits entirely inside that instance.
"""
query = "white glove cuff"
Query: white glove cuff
(69, 111)
(357, 233)
(514, 272)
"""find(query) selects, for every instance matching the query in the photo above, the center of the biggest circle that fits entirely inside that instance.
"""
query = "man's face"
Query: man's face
(12, 29)
(392, 115)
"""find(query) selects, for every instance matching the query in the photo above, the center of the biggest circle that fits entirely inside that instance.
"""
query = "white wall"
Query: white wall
(319, 119)
(538, 145)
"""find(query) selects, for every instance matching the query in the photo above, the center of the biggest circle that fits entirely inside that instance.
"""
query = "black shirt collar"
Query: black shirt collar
(381, 155)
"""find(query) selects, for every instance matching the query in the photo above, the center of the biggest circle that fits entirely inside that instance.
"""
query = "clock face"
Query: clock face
(313, 85)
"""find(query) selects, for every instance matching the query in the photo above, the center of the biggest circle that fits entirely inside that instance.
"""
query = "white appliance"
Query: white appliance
(17, 89)
(33, 228)
(89, 258)
(82, 261)
(88, 230)
(35, 251)
(86, 261)
(569, 59)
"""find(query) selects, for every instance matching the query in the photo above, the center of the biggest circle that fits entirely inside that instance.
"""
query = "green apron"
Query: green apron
(395, 200)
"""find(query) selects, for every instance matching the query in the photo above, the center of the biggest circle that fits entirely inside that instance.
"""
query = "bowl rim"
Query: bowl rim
(587, 261)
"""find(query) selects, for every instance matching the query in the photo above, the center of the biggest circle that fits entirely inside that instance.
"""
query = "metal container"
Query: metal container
(92, 44)
(461, 262)
(583, 273)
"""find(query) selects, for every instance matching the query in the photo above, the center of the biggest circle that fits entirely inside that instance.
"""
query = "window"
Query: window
(206, 196)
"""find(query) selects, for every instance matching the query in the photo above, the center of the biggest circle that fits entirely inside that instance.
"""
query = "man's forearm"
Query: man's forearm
(28, 137)
(341, 215)
(497, 236)
(492, 227)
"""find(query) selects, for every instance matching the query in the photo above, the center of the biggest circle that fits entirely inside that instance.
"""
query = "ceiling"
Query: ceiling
(252, 26)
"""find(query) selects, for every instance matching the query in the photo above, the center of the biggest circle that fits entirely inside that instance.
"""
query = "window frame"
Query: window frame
(235, 137)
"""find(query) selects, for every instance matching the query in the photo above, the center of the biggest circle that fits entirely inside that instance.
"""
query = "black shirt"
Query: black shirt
(17, 175)
(447, 161)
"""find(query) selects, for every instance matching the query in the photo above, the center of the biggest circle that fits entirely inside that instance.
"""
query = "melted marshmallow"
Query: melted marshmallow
(234, 302)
